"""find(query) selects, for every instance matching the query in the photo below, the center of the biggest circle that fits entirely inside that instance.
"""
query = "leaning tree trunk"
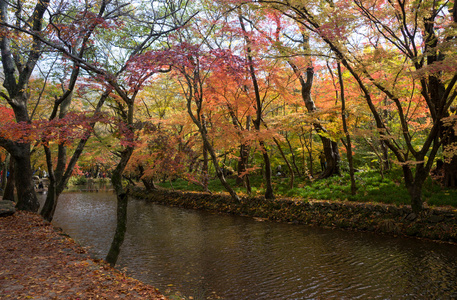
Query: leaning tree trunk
(121, 193)
(49, 207)
(346, 131)
(147, 182)
(63, 172)
(121, 208)
(330, 148)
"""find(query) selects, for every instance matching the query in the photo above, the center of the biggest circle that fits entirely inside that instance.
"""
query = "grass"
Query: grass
(371, 187)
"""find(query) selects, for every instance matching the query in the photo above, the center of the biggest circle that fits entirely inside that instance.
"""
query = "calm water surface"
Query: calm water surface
(209, 255)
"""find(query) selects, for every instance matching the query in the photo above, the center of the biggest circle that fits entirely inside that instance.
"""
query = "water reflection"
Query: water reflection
(211, 255)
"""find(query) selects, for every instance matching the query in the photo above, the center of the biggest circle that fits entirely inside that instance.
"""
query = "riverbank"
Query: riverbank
(434, 223)
(40, 262)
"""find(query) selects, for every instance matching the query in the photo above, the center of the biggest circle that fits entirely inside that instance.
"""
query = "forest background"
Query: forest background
(266, 96)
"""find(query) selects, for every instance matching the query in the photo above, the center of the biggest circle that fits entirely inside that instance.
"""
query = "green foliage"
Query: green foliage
(78, 180)
(371, 187)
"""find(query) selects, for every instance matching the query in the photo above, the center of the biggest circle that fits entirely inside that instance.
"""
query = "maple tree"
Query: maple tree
(302, 66)
(254, 77)
(77, 42)
(193, 65)
(20, 55)
(403, 39)
(122, 77)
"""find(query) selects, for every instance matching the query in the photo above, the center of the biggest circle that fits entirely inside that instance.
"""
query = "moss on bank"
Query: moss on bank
(438, 224)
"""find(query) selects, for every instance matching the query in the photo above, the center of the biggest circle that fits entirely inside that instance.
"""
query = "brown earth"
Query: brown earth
(39, 262)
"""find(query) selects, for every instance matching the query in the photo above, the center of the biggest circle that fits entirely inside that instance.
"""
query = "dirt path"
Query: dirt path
(37, 262)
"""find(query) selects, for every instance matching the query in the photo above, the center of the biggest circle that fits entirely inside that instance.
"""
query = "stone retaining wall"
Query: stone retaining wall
(433, 223)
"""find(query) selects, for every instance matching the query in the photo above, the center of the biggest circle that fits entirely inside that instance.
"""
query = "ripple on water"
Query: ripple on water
(238, 258)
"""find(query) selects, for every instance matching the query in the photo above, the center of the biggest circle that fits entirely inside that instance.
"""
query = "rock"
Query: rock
(388, 226)
(7, 208)
(393, 210)
(436, 218)
(411, 217)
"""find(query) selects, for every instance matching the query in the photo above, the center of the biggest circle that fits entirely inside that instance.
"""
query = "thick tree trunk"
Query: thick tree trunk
(5, 172)
(8, 194)
(15, 82)
(450, 174)
(27, 199)
(332, 158)
(414, 184)
(149, 184)
(415, 193)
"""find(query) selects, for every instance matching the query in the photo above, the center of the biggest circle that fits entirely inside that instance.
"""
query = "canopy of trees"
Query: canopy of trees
(159, 90)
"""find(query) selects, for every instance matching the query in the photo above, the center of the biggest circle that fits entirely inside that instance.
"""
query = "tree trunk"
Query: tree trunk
(346, 131)
(414, 184)
(8, 194)
(332, 158)
(268, 182)
(149, 184)
(330, 148)
(289, 167)
(121, 228)
(15, 81)
(5, 172)
(59, 179)
(385, 156)
(205, 170)
(415, 193)
(294, 159)
(450, 161)
(269, 187)
(243, 162)
(49, 207)
(121, 208)
(27, 199)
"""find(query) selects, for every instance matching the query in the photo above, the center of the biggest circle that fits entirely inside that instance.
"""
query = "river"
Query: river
(212, 256)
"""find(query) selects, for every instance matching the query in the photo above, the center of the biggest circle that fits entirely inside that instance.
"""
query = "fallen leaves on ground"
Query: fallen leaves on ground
(37, 262)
